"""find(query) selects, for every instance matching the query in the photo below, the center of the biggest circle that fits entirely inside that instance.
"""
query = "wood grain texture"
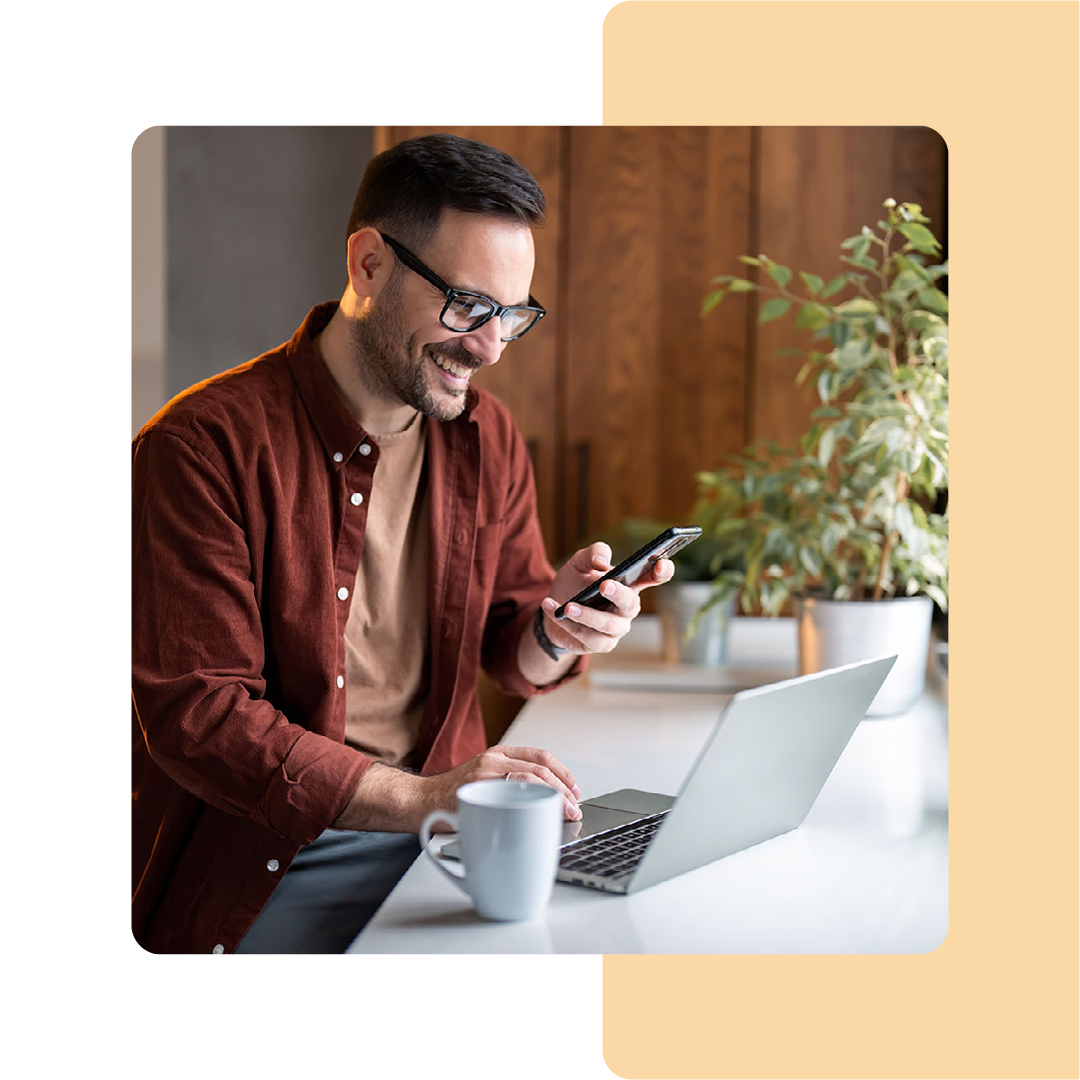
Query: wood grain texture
(817, 186)
(654, 390)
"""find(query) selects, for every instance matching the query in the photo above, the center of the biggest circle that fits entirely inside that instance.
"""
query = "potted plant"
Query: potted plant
(851, 525)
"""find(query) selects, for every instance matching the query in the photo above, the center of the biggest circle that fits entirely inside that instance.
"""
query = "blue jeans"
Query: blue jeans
(330, 891)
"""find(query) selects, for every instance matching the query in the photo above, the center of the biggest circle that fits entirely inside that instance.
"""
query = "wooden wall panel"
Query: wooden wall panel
(651, 392)
(612, 332)
(815, 187)
(702, 372)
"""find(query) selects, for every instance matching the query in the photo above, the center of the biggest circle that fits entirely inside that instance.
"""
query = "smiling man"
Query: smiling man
(328, 541)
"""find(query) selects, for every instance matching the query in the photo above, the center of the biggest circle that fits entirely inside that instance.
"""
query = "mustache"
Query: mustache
(458, 354)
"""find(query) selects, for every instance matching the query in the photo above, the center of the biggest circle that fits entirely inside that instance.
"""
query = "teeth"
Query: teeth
(449, 365)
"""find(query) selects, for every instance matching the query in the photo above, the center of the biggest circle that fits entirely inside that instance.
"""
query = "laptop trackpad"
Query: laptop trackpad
(612, 810)
(637, 802)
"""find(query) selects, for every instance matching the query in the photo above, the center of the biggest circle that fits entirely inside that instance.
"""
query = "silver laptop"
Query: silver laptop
(757, 776)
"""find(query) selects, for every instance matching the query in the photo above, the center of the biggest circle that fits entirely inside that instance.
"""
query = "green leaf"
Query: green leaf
(908, 280)
(862, 450)
(925, 321)
(811, 561)
(904, 520)
(723, 279)
(827, 412)
(826, 445)
(863, 260)
(858, 309)
(813, 316)
(839, 332)
(937, 596)
(711, 301)
(834, 286)
(773, 309)
(749, 260)
(851, 241)
(921, 237)
(780, 274)
(912, 211)
(912, 266)
(823, 385)
(812, 282)
(741, 285)
(935, 300)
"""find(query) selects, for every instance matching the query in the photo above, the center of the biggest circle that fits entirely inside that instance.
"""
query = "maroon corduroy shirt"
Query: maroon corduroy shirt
(245, 548)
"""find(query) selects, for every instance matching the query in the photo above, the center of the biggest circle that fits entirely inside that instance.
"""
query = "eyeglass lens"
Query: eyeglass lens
(466, 312)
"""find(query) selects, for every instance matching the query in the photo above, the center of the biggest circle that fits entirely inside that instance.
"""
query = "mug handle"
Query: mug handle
(425, 839)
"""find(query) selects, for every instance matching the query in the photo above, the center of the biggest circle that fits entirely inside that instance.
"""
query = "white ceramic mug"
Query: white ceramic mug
(510, 834)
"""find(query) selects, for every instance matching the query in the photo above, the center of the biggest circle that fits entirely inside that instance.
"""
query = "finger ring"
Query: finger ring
(507, 776)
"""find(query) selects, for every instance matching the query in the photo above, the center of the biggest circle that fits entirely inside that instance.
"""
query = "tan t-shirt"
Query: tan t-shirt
(387, 655)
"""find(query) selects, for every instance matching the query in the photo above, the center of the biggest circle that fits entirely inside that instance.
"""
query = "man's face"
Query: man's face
(404, 354)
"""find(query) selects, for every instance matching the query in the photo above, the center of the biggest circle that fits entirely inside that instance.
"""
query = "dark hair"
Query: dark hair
(405, 189)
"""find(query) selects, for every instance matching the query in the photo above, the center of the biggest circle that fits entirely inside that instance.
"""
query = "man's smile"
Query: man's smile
(457, 375)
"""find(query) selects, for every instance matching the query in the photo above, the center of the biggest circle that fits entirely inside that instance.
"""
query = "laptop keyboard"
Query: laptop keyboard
(612, 853)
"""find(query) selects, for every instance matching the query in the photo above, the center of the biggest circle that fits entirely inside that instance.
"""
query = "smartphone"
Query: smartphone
(629, 570)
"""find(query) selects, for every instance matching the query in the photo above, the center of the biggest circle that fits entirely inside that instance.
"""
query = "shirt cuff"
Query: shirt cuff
(311, 788)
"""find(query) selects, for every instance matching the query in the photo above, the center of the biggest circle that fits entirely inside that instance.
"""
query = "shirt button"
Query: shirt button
(218, 949)
(339, 457)
(272, 865)
(356, 498)
(365, 449)
(343, 593)
(340, 681)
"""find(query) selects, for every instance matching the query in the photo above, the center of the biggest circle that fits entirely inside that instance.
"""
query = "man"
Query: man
(327, 542)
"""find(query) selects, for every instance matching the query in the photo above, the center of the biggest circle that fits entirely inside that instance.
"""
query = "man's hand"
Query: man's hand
(524, 763)
(586, 629)
(388, 799)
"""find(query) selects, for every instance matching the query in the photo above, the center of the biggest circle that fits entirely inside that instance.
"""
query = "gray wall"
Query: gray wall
(255, 230)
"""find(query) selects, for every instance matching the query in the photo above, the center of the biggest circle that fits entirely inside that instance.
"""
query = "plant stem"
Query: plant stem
(888, 315)
(903, 486)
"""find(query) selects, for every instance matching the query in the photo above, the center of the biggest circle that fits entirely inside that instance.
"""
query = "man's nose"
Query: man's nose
(484, 343)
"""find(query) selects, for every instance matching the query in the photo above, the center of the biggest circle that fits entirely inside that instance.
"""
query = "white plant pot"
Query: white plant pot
(837, 632)
(677, 603)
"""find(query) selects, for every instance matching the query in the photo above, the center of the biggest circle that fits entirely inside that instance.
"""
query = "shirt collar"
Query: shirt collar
(337, 428)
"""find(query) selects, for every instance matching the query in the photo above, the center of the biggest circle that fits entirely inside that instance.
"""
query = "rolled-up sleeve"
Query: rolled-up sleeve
(198, 654)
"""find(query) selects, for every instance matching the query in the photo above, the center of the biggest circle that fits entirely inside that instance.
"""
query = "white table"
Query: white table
(867, 872)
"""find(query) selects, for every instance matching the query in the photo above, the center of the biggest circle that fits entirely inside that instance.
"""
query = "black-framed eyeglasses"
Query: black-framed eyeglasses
(465, 311)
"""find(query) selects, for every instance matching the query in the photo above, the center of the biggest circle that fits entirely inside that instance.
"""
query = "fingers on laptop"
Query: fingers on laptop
(536, 766)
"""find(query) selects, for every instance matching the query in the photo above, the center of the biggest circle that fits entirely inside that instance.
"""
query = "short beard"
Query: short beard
(391, 365)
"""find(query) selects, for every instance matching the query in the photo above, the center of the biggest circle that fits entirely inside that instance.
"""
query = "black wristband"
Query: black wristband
(543, 640)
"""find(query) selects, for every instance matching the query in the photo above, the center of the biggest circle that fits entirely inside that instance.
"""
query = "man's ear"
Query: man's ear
(369, 261)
